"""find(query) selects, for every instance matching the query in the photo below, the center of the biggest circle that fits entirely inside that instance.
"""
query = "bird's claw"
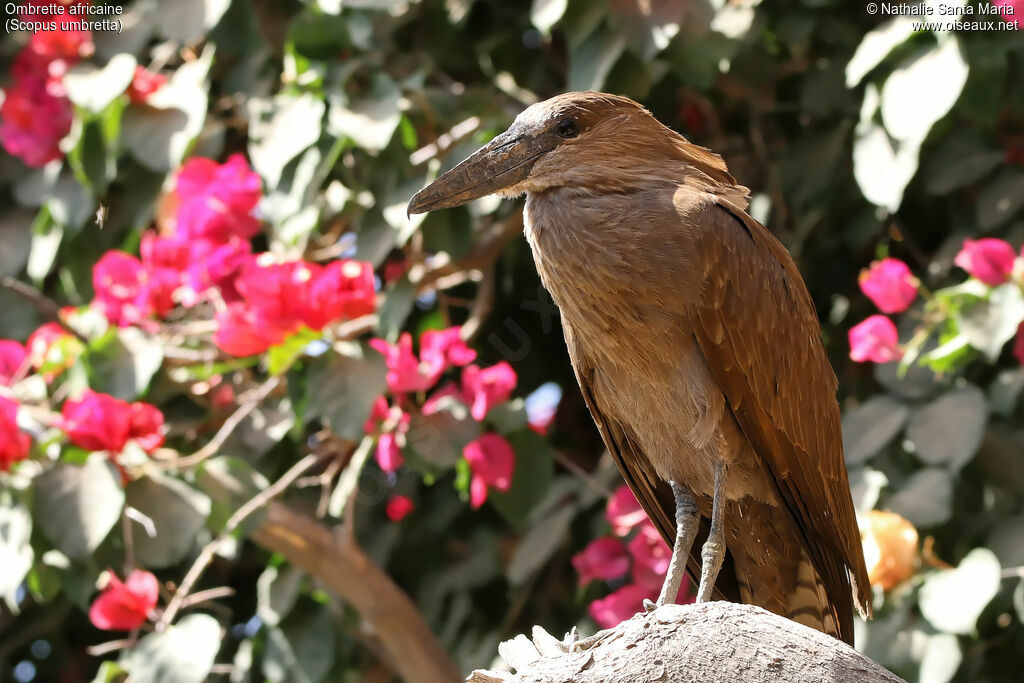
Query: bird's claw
(583, 644)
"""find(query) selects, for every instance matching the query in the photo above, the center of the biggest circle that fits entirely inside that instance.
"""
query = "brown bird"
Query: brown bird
(696, 346)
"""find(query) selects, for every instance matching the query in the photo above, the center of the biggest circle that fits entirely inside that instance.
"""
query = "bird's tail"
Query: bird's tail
(808, 602)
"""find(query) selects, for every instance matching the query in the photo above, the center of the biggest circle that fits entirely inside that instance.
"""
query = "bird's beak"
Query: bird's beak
(501, 163)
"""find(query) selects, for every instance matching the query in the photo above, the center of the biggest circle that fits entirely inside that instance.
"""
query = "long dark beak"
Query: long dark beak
(501, 163)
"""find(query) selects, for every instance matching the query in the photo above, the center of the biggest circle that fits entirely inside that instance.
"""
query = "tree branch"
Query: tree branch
(715, 642)
(341, 565)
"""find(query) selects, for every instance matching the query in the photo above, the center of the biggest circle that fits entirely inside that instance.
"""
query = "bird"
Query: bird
(696, 347)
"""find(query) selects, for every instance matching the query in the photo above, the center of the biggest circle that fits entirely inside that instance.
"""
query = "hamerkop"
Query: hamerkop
(696, 347)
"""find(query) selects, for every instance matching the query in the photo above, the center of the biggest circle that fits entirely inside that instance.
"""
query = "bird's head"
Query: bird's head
(591, 140)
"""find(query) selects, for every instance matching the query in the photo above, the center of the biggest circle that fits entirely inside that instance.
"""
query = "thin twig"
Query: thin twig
(228, 427)
(240, 515)
(481, 306)
(45, 304)
(349, 479)
(206, 595)
(110, 646)
(581, 474)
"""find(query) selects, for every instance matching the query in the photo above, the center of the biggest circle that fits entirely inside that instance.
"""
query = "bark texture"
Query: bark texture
(339, 563)
(714, 642)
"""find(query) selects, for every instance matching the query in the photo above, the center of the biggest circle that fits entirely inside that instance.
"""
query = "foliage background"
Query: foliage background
(859, 136)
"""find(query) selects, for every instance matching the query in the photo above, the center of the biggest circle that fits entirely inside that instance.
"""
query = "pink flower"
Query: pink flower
(34, 118)
(874, 339)
(125, 606)
(603, 558)
(97, 422)
(398, 507)
(492, 461)
(216, 200)
(144, 83)
(440, 349)
(215, 265)
(100, 422)
(619, 605)
(623, 511)
(889, 284)
(486, 388)
(14, 443)
(237, 331)
(404, 373)
(342, 289)
(146, 424)
(989, 260)
(1010, 10)
(378, 413)
(158, 251)
(389, 455)
(651, 556)
(13, 360)
(275, 291)
(127, 293)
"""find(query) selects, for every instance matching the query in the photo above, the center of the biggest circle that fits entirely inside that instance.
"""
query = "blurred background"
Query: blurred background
(210, 285)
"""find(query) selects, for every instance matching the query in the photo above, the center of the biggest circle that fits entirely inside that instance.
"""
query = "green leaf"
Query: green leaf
(923, 89)
(110, 672)
(962, 159)
(186, 21)
(46, 238)
(1001, 199)
(184, 653)
(229, 482)
(301, 649)
(989, 323)
(123, 361)
(539, 544)
(370, 120)
(883, 166)
(926, 498)
(294, 125)
(178, 512)
(342, 387)
(94, 88)
(535, 468)
(545, 13)
(875, 46)
(953, 599)
(869, 428)
(941, 658)
(392, 314)
(592, 61)
(948, 430)
(281, 357)
(16, 554)
(77, 506)
(16, 236)
(160, 134)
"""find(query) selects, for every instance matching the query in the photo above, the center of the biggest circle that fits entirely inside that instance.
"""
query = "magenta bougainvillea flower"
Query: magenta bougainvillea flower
(398, 507)
(889, 284)
(125, 606)
(13, 359)
(486, 388)
(623, 511)
(604, 558)
(492, 461)
(100, 422)
(14, 443)
(875, 339)
(144, 83)
(989, 260)
(216, 201)
(619, 605)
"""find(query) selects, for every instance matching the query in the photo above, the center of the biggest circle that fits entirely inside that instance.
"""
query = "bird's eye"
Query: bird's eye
(566, 128)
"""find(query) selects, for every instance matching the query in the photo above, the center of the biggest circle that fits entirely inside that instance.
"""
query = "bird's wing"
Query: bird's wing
(653, 494)
(757, 328)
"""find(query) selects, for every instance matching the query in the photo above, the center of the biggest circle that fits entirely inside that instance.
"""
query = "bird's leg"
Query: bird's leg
(713, 552)
(687, 523)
